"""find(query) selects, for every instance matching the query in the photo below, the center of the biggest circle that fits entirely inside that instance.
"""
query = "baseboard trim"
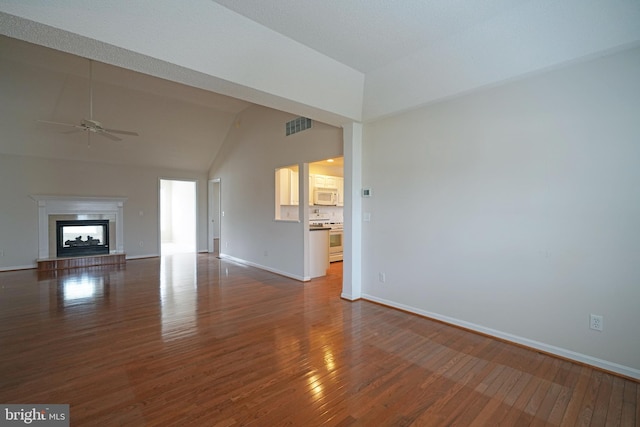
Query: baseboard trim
(349, 297)
(143, 256)
(264, 267)
(19, 267)
(563, 353)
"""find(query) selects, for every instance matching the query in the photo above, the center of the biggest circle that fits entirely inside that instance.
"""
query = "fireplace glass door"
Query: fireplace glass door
(82, 237)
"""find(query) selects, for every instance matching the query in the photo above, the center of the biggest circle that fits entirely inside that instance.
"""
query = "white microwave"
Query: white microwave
(325, 196)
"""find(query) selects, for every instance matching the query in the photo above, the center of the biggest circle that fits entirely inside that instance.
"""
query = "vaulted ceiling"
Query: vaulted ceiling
(179, 72)
(179, 126)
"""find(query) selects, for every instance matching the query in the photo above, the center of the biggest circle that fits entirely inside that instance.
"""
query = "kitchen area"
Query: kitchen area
(326, 212)
(326, 188)
(325, 245)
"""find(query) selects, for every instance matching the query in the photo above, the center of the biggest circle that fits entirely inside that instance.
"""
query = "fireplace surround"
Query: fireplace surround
(80, 207)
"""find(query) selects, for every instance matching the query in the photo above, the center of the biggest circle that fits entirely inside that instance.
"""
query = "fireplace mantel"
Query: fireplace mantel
(62, 205)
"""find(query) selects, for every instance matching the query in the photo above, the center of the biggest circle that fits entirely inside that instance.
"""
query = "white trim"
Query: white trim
(19, 267)
(213, 214)
(263, 267)
(143, 256)
(63, 205)
(210, 216)
(348, 297)
(352, 269)
(303, 215)
(547, 348)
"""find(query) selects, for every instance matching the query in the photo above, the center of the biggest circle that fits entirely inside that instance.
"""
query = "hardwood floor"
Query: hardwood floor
(194, 340)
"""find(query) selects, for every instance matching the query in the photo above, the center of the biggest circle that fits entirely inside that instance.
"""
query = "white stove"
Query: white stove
(335, 237)
(331, 225)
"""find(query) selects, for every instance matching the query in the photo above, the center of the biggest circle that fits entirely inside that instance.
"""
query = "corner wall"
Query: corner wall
(514, 211)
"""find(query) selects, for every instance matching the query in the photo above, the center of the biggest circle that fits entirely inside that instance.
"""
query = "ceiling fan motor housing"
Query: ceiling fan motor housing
(92, 125)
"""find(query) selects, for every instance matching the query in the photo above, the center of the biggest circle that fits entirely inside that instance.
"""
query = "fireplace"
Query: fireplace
(52, 209)
(82, 237)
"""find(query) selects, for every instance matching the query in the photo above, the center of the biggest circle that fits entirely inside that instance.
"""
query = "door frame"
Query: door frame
(214, 210)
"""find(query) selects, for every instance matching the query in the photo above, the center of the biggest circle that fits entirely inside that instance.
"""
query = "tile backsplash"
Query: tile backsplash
(332, 213)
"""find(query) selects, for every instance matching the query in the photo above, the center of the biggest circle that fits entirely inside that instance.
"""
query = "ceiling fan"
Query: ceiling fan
(90, 125)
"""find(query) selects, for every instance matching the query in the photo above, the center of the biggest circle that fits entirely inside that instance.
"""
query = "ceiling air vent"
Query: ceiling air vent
(297, 125)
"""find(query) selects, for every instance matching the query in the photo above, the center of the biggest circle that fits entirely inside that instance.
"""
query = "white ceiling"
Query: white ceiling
(368, 34)
(178, 72)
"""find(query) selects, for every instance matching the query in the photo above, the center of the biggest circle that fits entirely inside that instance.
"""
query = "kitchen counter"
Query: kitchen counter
(318, 251)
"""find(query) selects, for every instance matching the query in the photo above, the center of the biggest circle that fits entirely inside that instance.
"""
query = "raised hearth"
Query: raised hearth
(80, 262)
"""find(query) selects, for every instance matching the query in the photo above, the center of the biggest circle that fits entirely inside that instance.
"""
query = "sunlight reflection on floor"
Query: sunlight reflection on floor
(178, 295)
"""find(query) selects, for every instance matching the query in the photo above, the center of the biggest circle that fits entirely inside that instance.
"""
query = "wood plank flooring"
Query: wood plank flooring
(194, 340)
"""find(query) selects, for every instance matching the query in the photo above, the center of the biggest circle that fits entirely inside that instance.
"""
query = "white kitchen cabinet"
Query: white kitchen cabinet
(288, 186)
(293, 188)
(330, 182)
(340, 187)
(324, 181)
(312, 185)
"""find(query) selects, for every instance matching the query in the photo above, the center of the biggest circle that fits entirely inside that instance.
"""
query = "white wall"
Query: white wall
(22, 176)
(246, 164)
(515, 211)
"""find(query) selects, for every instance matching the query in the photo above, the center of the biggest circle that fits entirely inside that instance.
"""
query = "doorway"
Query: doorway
(177, 216)
(214, 217)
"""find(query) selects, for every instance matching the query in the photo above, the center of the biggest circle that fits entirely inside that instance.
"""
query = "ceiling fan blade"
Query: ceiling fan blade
(73, 131)
(122, 132)
(109, 136)
(58, 123)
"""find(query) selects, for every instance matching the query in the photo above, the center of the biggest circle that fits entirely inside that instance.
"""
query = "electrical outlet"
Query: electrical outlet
(382, 277)
(1, 253)
(596, 322)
